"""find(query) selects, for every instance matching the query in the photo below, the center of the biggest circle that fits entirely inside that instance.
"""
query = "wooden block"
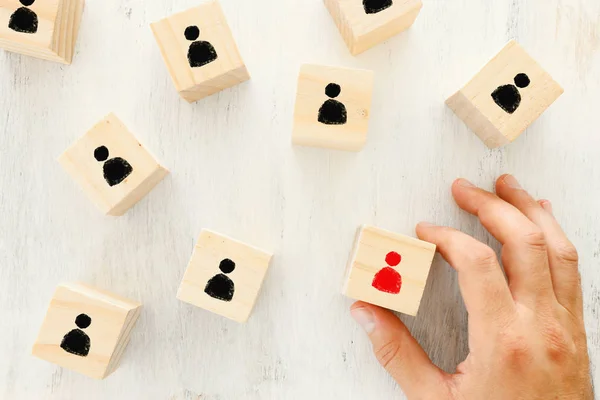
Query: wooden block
(112, 167)
(224, 276)
(366, 23)
(388, 269)
(86, 329)
(333, 106)
(200, 52)
(41, 28)
(505, 97)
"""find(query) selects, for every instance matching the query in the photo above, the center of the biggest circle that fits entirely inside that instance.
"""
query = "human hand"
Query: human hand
(526, 336)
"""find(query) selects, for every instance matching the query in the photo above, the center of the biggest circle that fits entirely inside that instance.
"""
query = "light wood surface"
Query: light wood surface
(117, 196)
(376, 255)
(495, 125)
(196, 82)
(361, 30)
(355, 88)
(234, 170)
(57, 27)
(110, 320)
(246, 269)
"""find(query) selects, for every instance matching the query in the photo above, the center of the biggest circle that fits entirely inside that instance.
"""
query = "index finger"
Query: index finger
(482, 283)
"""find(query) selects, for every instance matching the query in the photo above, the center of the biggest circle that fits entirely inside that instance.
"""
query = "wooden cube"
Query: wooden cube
(86, 329)
(388, 269)
(505, 97)
(112, 167)
(200, 52)
(224, 276)
(332, 107)
(40, 28)
(366, 23)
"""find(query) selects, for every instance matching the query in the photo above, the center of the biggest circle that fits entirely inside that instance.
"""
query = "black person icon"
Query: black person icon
(375, 6)
(332, 112)
(77, 342)
(220, 286)
(23, 19)
(200, 52)
(508, 96)
(116, 169)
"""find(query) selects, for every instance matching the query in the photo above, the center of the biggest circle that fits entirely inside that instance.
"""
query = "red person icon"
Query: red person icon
(388, 280)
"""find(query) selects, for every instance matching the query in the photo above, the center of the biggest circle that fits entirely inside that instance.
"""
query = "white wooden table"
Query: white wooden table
(234, 170)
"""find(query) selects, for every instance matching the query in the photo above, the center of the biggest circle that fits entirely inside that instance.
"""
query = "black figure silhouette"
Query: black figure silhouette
(508, 96)
(220, 286)
(200, 52)
(375, 6)
(332, 112)
(77, 342)
(116, 169)
(24, 20)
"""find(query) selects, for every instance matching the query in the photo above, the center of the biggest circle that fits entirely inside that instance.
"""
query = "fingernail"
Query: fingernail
(465, 183)
(364, 318)
(546, 205)
(510, 180)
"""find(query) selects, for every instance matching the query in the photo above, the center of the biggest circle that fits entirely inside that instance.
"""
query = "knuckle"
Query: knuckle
(567, 253)
(482, 256)
(388, 352)
(558, 345)
(515, 349)
(535, 240)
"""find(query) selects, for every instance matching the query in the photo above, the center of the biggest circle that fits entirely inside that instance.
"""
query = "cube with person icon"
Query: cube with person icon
(40, 28)
(112, 167)
(388, 269)
(366, 23)
(224, 276)
(333, 106)
(86, 329)
(199, 51)
(505, 97)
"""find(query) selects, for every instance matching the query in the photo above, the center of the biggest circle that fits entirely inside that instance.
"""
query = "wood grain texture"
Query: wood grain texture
(355, 95)
(245, 267)
(234, 170)
(369, 258)
(475, 105)
(110, 321)
(56, 35)
(227, 69)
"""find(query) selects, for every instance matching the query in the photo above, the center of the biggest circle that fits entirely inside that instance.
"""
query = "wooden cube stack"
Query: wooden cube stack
(86, 329)
(112, 167)
(366, 23)
(388, 269)
(505, 97)
(199, 51)
(224, 276)
(40, 28)
(333, 106)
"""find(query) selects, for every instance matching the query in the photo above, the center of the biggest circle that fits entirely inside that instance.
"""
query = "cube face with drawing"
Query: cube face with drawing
(333, 106)
(112, 167)
(45, 29)
(388, 269)
(199, 51)
(366, 23)
(505, 97)
(224, 276)
(86, 329)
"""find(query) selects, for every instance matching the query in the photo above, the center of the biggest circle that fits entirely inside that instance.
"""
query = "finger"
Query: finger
(562, 255)
(524, 253)
(399, 353)
(546, 205)
(482, 283)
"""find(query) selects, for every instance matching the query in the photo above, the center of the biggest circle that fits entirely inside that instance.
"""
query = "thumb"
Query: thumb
(400, 354)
